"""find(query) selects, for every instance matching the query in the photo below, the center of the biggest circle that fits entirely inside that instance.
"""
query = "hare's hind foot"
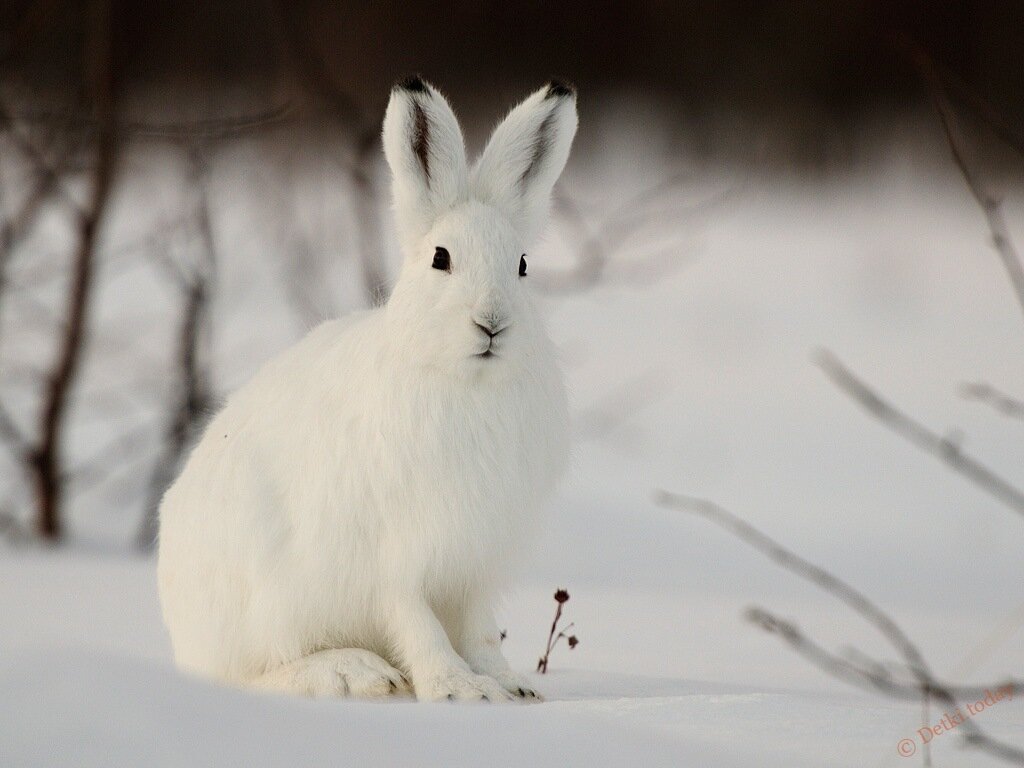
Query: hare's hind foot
(335, 672)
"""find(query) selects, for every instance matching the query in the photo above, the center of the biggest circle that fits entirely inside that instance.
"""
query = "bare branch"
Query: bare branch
(597, 245)
(924, 681)
(49, 171)
(46, 459)
(869, 678)
(15, 227)
(793, 563)
(990, 205)
(863, 670)
(1007, 131)
(944, 449)
(983, 392)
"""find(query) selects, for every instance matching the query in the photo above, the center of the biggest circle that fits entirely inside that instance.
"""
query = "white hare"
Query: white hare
(347, 521)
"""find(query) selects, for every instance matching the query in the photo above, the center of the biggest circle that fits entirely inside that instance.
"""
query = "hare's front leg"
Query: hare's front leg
(479, 643)
(436, 670)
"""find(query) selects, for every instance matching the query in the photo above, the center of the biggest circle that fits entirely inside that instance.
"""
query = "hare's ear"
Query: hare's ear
(424, 148)
(526, 155)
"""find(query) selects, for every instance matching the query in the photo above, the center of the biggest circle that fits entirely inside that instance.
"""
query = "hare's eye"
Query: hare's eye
(522, 265)
(442, 259)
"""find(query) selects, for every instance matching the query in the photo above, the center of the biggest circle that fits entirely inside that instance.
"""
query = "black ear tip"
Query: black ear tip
(559, 89)
(413, 83)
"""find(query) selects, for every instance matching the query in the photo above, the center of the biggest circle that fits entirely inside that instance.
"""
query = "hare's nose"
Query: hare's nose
(490, 326)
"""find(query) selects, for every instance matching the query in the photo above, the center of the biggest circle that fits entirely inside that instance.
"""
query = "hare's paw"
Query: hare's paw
(518, 685)
(461, 685)
(337, 673)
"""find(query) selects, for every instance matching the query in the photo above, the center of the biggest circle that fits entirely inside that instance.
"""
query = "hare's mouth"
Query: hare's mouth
(486, 353)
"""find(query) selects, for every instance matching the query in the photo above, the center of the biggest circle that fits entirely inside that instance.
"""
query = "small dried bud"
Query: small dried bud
(502, 635)
(573, 642)
(561, 596)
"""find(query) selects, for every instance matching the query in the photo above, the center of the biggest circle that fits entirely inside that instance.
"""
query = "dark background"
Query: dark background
(836, 62)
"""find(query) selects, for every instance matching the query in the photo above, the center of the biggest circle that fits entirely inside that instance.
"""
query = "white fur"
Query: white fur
(348, 520)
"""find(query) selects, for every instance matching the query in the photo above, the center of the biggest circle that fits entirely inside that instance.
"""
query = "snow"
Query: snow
(892, 271)
(86, 682)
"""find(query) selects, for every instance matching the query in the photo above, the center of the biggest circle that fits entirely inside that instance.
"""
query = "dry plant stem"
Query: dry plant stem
(46, 459)
(542, 665)
(561, 597)
(944, 449)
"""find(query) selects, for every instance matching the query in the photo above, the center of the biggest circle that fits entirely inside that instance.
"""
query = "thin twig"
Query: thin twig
(951, 81)
(870, 679)
(990, 205)
(847, 594)
(926, 684)
(864, 671)
(944, 449)
(50, 172)
(598, 244)
(542, 665)
(983, 392)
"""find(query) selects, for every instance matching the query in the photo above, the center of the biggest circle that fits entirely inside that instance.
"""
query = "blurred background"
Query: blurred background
(186, 188)
(147, 147)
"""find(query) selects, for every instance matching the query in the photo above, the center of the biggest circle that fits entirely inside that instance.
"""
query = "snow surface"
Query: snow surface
(892, 271)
